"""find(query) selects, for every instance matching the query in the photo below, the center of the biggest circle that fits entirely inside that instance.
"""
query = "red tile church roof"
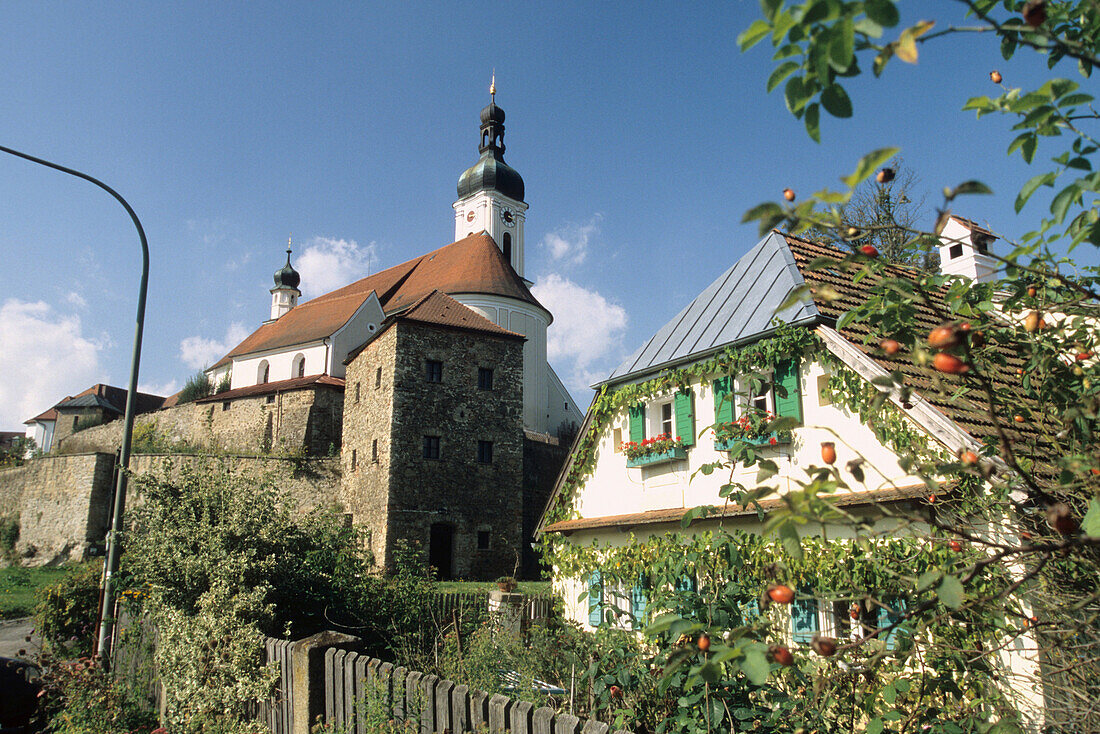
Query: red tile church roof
(471, 265)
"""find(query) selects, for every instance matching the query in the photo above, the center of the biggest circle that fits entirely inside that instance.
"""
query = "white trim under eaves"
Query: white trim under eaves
(921, 412)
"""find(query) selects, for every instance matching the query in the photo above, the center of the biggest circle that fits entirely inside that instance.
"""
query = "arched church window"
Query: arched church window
(299, 365)
(263, 373)
(508, 247)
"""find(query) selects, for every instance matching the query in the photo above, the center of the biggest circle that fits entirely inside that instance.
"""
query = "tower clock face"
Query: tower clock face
(508, 216)
(470, 216)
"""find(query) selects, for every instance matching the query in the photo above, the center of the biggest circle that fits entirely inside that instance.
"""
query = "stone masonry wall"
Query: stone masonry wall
(62, 504)
(455, 489)
(307, 421)
(542, 462)
(368, 418)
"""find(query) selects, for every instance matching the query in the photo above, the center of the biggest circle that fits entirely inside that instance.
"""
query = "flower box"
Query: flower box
(672, 454)
(771, 439)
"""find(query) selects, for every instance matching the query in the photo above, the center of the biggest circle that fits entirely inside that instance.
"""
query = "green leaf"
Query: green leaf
(842, 48)
(874, 726)
(753, 34)
(797, 93)
(755, 666)
(836, 102)
(813, 122)
(867, 165)
(788, 535)
(972, 187)
(1063, 200)
(882, 12)
(1029, 188)
(1091, 522)
(781, 72)
(950, 592)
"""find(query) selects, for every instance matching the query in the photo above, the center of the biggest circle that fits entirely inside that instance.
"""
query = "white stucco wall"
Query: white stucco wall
(614, 489)
(246, 371)
(362, 325)
(42, 433)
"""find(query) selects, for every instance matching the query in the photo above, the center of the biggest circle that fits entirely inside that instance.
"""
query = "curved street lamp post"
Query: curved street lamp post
(106, 628)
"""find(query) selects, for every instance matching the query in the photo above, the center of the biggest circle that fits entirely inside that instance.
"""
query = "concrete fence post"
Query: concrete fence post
(308, 675)
(506, 612)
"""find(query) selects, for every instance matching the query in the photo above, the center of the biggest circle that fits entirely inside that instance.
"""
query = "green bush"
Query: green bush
(65, 613)
(9, 535)
(197, 386)
(79, 698)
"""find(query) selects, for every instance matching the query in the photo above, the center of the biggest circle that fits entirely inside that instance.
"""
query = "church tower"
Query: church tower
(285, 294)
(490, 193)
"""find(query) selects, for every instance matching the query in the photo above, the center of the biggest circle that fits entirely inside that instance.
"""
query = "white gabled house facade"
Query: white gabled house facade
(607, 500)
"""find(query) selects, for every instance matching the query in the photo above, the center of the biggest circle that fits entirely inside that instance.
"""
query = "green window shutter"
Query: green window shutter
(639, 597)
(889, 616)
(595, 599)
(786, 374)
(723, 401)
(637, 422)
(750, 610)
(684, 415)
(804, 620)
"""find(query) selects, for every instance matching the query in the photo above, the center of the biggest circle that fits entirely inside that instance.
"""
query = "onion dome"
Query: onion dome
(287, 276)
(491, 173)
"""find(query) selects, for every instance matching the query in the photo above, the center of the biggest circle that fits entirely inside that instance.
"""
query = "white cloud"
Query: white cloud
(45, 357)
(159, 388)
(327, 264)
(569, 244)
(75, 299)
(587, 333)
(198, 352)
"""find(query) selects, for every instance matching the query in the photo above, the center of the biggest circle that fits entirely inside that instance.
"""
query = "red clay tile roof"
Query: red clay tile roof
(471, 265)
(970, 415)
(673, 514)
(266, 388)
(442, 310)
(49, 415)
(114, 396)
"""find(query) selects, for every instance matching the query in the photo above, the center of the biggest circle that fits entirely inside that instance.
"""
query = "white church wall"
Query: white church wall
(362, 325)
(281, 364)
(561, 406)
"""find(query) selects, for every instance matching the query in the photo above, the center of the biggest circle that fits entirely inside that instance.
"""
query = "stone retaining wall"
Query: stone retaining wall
(62, 504)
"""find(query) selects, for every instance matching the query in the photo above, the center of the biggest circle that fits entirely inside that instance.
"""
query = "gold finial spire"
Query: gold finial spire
(288, 238)
(493, 87)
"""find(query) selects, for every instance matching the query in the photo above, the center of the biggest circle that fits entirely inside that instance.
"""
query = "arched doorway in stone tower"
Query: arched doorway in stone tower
(441, 545)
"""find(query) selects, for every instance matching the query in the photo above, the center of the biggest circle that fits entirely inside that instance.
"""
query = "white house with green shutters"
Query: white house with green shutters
(693, 396)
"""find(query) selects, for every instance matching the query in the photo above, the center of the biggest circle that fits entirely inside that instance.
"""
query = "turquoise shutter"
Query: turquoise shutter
(723, 403)
(637, 422)
(639, 599)
(749, 610)
(804, 620)
(595, 599)
(888, 617)
(684, 415)
(786, 374)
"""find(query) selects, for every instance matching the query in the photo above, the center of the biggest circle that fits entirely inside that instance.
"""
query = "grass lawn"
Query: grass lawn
(525, 587)
(18, 586)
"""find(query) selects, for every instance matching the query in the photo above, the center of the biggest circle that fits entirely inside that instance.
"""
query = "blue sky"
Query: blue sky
(642, 134)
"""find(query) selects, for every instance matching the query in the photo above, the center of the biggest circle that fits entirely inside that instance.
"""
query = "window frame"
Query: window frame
(433, 371)
(433, 447)
(484, 452)
(485, 378)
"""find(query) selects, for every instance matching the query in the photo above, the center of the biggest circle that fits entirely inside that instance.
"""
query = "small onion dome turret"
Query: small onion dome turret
(287, 276)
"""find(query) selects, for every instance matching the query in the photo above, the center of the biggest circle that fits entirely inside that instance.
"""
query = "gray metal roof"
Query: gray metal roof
(88, 401)
(735, 307)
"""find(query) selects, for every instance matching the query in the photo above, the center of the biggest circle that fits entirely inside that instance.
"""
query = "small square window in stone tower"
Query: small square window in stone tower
(433, 370)
(431, 447)
(484, 378)
(485, 452)
(483, 540)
